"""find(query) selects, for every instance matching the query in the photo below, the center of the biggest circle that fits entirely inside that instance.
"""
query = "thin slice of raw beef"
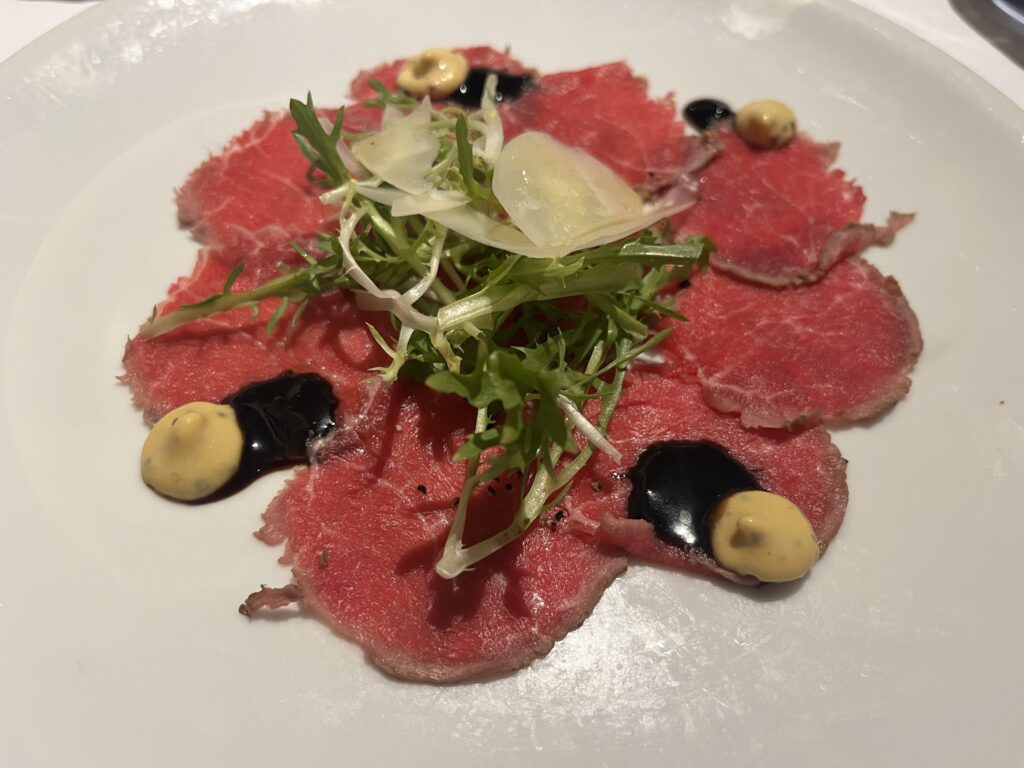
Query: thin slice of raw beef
(364, 532)
(805, 467)
(255, 189)
(780, 217)
(837, 351)
(211, 358)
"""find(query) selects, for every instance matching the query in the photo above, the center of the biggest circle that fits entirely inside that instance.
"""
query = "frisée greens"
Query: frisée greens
(520, 277)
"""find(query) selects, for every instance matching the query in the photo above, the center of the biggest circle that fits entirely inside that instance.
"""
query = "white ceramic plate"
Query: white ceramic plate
(120, 640)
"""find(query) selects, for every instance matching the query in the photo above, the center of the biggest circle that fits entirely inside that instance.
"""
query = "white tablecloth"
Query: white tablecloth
(22, 21)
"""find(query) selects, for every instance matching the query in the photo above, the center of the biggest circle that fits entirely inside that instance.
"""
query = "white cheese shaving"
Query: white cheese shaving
(402, 153)
(555, 194)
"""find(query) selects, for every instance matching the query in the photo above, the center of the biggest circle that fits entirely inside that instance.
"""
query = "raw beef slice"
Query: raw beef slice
(211, 358)
(364, 533)
(255, 189)
(780, 217)
(805, 467)
(836, 351)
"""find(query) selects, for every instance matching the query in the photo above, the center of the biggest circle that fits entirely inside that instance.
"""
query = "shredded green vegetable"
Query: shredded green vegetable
(482, 322)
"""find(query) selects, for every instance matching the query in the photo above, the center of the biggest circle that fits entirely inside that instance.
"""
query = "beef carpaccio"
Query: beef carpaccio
(789, 330)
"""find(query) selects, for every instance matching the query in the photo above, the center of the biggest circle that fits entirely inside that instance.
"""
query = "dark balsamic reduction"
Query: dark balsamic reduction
(678, 484)
(279, 418)
(703, 113)
(510, 87)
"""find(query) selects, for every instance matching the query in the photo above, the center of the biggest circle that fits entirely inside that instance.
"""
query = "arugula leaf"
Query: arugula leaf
(465, 154)
(319, 146)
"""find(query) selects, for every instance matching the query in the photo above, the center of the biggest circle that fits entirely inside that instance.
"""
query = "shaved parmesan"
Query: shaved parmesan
(402, 153)
(422, 204)
(555, 193)
(564, 200)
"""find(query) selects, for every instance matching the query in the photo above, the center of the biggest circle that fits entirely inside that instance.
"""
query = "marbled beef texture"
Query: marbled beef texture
(782, 216)
(837, 351)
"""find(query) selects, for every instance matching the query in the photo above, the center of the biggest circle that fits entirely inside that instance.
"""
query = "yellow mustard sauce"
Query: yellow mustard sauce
(193, 451)
(764, 535)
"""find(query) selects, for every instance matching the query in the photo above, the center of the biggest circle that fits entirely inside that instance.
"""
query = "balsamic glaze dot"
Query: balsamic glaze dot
(510, 87)
(279, 418)
(678, 484)
(703, 113)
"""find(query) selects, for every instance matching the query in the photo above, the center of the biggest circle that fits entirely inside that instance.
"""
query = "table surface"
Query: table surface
(934, 20)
